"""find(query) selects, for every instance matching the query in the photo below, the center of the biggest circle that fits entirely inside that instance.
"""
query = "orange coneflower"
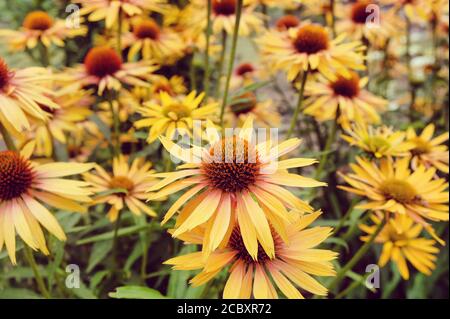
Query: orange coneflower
(40, 27)
(235, 179)
(291, 266)
(21, 93)
(24, 185)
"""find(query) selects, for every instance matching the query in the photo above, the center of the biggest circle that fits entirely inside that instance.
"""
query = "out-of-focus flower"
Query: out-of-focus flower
(429, 151)
(345, 97)
(24, 186)
(308, 47)
(21, 93)
(169, 114)
(290, 268)
(161, 44)
(233, 179)
(392, 187)
(401, 243)
(125, 187)
(247, 104)
(377, 141)
(104, 68)
(40, 27)
(109, 10)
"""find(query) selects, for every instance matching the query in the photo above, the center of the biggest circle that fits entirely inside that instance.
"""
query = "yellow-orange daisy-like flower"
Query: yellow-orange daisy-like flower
(109, 10)
(235, 181)
(169, 114)
(161, 44)
(309, 47)
(104, 68)
(126, 186)
(392, 187)
(401, 243)
(293, 265)
(428, 150)
(40, 27)
(379, 141)
(346, 96)
(21, 93)
(247, 104)
(24, 186)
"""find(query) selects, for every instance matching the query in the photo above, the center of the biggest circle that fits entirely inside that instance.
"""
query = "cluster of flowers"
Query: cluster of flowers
(234, 200)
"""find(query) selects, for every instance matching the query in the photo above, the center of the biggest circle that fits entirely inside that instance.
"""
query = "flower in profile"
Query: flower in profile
(169, 114)
(161, 44)
(378, 142)
(309, 47)
(232, 179)
(291, 267)
(109, 10)
(402, 242)
(429, 151)
(104, 68)
(286, 22)
(247, 104)
(21, 93)
(74, 108)
(126, 186)
(393, 188)
(345, 97)
(40, 27)
(24, 186)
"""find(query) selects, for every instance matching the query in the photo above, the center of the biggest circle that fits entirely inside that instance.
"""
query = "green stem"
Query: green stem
(208, 40)
(192, 74)
(119, 32)
(115, 138)
(43, 52)
(221, 63)
(328, 144)
(40, 282)
(7, 138)
(116, 241)
(299, 104)
(357, 256)
(333, 20)
(231, 60)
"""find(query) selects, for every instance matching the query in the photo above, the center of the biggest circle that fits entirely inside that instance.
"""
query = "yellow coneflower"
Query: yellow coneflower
(401, 243)
(379, 141)
(168, 114)
(40, 27)
(82, 142)
(129, 183)
(161, 44)
(291, 267)
(429, 151)
(104, 68)
(286, 22)
(246, 74)
(284, 4)
(418, 11)
(74, 108)
(21, 93)
(247, 104)
(24, 186)
(234, 179)
(309, 47)
(392, 187)
(109, 10)
(344, 95)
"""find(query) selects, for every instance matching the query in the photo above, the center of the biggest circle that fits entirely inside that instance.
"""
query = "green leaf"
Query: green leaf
(18, 293)
(136, 292)
(339, 242)
(109, 235)
(99, 251)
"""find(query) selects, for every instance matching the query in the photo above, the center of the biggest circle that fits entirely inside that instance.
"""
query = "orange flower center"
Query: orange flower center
(163, 87)
(102, 61)
(38, 20)
(147, 29)
(237, 244)
(121, 182)
(224, 7)
(346, 87)
(234, 165)
(5, 74)
(244, 103)
(399, 190)
(16, 175)
(244, 69)
(311, 39)
(359, 11)
(287, 22)
(420, 146)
